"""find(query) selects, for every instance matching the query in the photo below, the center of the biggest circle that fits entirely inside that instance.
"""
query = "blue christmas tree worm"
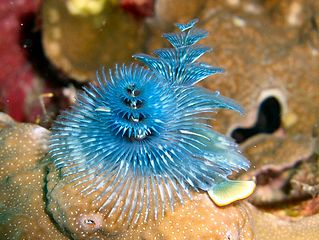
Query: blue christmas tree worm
(141, 139)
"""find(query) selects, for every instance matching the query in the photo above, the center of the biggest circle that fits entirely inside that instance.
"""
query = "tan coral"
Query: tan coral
(23, 148)
(262, 57)
(269, 49)
(197, 219)
(269, 227)
(22, 175)
(80, 43)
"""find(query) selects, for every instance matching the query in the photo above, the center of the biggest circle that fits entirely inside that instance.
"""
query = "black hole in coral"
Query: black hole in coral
(133, 104)
(268, 121)
(89, 222)
(30, 40)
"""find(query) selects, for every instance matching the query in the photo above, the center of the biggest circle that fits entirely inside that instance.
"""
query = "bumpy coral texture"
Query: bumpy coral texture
(22, 173)
(141, 139)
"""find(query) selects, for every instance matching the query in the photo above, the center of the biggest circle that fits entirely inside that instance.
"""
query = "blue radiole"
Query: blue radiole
(140, 138)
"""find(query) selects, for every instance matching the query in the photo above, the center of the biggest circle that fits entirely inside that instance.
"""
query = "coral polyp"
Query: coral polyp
(139, 138)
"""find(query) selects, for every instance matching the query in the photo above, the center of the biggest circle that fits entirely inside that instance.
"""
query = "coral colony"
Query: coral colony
(140, 141)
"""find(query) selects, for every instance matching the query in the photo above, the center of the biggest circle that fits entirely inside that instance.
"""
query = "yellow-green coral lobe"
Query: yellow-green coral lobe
(229, 191)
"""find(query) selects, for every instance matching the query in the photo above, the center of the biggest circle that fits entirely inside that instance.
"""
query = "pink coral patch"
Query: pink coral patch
(17, 78)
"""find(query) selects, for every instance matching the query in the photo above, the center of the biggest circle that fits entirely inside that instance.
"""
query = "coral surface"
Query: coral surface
(22, 180)
(67, 37)
(270, 53)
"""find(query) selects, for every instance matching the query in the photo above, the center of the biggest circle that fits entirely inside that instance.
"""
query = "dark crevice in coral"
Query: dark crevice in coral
(289, 186)
(268, 121)
(54, 80)
(314, 23)
(46, 161)
(31, 42)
